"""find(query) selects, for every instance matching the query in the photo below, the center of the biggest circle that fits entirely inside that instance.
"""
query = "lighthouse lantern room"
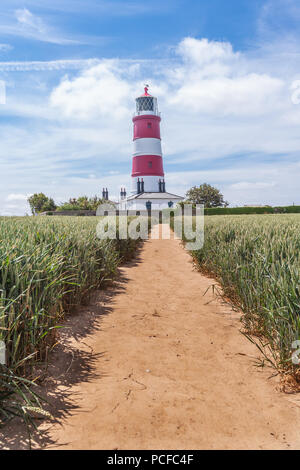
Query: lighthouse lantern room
(148, 187)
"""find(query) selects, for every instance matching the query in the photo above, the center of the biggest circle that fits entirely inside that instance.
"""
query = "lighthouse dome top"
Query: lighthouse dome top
(146, 103)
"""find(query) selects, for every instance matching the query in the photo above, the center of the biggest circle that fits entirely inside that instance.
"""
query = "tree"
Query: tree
(82, 203)
(39, 202)
(207, 195)
(49, 205)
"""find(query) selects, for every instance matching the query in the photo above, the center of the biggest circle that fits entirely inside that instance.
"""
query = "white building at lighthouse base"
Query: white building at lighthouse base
(146, 201)
(148, 186)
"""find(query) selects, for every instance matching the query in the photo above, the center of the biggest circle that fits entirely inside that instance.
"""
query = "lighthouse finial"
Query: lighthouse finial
(146, 89)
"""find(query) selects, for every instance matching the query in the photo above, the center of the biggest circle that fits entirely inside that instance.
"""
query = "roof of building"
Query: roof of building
(154, 196)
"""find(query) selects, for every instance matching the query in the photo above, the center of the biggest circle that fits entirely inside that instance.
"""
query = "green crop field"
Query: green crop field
(46, 267)
(256, 259)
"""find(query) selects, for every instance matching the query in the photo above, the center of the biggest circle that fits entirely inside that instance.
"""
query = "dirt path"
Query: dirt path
(168, 368)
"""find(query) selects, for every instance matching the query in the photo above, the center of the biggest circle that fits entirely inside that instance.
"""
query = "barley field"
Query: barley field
(47, 266)
(256, 259)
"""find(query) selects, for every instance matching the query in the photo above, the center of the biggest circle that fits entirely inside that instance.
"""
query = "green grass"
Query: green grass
(256, 258)
(47, 266)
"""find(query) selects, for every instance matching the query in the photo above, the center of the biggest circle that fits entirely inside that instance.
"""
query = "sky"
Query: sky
(226, 75)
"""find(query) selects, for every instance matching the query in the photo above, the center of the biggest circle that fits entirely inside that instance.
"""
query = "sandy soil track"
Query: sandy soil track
(153, 363)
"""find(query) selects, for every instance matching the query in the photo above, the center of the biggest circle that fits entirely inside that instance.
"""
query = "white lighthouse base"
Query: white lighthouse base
(159, 201)
(151, 183)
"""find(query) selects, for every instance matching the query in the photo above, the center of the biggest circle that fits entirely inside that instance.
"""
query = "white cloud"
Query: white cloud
(202, 52)
(5, 47)
(14, 204)
(28, 20)
(254, 185)
(215, 79)
(36, 65)
(268, 183)
(17, 197)
(30, 26)
(101, 7)
(248, 95)
(100, 90)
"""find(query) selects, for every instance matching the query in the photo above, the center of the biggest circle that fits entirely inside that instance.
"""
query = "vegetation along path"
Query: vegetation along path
(155, 363)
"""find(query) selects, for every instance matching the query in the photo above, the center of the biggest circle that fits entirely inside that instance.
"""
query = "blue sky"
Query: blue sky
(226, 75)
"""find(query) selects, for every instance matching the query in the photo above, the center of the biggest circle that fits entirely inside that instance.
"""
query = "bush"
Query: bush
(251, 210)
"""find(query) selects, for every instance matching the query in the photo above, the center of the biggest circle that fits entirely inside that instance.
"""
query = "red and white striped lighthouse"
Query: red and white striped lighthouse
(147, 177)
(147, 163)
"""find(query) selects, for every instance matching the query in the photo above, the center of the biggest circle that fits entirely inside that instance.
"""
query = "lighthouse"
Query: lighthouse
(147, 163)
(148, 185)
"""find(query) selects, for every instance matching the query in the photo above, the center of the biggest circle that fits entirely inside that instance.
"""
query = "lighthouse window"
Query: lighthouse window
(149, 125)
(149, 164)
(144, 103)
